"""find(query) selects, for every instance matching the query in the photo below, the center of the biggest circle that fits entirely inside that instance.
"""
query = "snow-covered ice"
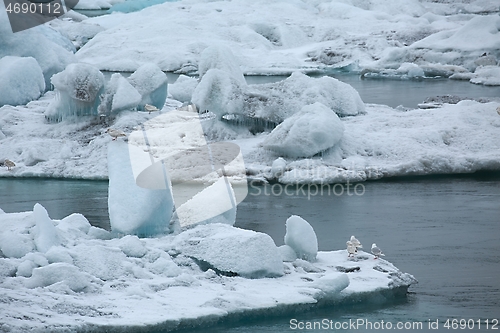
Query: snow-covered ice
(300, 236)
(314, 129)
(190, 279)
(21, 80)
(120, 95)
(51, 50)
(78, 89)
(221, 93)
(307, 35)
(151, 83)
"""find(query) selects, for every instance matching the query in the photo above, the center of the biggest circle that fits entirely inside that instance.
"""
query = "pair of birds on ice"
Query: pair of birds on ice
(354, 244)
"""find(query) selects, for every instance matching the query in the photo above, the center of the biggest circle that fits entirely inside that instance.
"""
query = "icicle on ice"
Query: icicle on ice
(78, 88)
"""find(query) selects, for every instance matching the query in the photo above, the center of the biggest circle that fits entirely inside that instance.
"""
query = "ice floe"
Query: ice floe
(82, 282)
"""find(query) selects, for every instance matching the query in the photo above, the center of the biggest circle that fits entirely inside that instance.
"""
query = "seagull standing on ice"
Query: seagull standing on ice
(356, 242)
(150, 108)
(377, 252)
(9, 164)
(351, 249)
(115, 133)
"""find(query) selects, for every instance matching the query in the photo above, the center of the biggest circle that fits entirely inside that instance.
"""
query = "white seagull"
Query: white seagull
(115, 133)
(356, 242)
(150, 108)
(377, 252)
(9, 164)
(351, 249)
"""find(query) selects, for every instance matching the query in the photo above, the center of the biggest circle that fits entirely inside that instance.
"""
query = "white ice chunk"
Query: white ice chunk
(312, 130)
(332, 284)
(132, 246)
(479, 33)
(220, 93)
(99, 233)
(26, 268)
(78, 89)
(119, 95)
(278, 167)
(287, 253)
(45, 233)
(220, 57)
(21, 80)
(58, 254)
(38, 43)
(151, 83)
(411, 70)
(182, 89)
(487, 75)
(164, 266)
(64, 273)
(231, 250)
(103, 262)
(74, 222)
(15, 245)
(301, 237)
(133, 209)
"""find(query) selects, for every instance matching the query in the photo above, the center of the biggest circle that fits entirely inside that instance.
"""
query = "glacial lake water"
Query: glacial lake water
(393, 92)
(445, 230)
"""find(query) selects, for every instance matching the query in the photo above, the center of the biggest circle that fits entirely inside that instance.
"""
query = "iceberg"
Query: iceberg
(119, 95)
(152, 84)
(207, 274)
(48, 47)
(134, 209)
(220, 57)
(78, 89)
(199, 173)
(21, 80)
(220, 93)
(231, 251)
(310, 131)
(182, 89)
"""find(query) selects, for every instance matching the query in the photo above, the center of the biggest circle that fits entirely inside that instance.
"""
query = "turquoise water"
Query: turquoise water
(445, 230)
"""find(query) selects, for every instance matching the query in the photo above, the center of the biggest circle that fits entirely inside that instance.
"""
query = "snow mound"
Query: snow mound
(231, 251)
(133, 209)
(313, 129)
(21, 80)
(47, 46)
(300, 236)
(479, 34)
(78, 88)
(151, 83)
